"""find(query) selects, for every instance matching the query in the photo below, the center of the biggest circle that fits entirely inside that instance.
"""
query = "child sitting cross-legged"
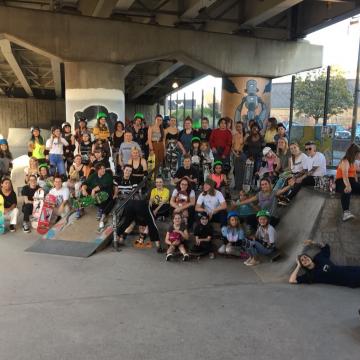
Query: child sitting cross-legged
(175, 237)
(203, 233)
(232, 235)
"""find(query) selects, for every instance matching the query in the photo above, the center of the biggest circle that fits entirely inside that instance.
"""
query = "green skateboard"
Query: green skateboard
(2, 218)
(86, 201)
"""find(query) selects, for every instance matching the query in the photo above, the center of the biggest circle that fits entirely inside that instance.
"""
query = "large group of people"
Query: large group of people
(196, 173)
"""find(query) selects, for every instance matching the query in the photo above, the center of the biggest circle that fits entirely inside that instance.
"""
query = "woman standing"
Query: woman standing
(185, 137)
(36, 145)
(254, 143)
(346, 179)
(171, 136)
(117, 140)
(55, 147)
(156, 142)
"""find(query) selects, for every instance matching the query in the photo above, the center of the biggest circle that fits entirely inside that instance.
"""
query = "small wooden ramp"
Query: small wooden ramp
(74, 237)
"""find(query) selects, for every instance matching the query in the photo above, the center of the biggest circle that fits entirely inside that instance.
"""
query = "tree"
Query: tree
(310, 94)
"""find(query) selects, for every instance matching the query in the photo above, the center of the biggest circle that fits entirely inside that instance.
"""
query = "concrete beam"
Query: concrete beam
(56, 72)
(10, 58)
(124, 4)
(258, 12)
(194, 6)
(165, 73)
(74, 38)
(97, 8)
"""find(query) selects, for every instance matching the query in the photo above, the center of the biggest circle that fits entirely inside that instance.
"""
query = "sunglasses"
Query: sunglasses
(308, 149)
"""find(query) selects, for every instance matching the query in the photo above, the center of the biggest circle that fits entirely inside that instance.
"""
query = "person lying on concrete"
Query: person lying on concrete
(62, 195)
(11, 211)
(175, 237)
(100, 180)
(320, 269)
(138, 211)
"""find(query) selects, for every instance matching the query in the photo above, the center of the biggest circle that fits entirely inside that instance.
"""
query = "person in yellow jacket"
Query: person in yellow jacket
(101, 130)
(36, 145)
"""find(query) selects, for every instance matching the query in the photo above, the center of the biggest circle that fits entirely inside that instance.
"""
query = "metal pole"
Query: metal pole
(202, 103)
(177, 104)
(291, 103)
(170, 105)
(356, 99)
(326, 103)
(192, 105)
(213, 109)
(184, 107)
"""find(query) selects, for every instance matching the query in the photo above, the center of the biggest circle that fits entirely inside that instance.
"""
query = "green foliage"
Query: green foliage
(310, 94)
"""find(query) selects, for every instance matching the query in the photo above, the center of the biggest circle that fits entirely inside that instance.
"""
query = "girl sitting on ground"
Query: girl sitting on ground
(232, 235)
(45, 181)
(271, 166)
(203, 233)
(76, 176)
(175, 237)
(264, 241)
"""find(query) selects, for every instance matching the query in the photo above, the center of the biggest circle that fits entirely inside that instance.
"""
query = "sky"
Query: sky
(340, 42)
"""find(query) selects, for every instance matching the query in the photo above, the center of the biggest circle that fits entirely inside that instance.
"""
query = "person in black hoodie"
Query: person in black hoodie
(203, 233)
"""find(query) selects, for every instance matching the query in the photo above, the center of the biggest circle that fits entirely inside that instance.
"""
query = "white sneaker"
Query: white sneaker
(347, 215)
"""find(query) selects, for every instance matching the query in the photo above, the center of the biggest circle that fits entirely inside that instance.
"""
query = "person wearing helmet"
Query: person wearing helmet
(36, 145)
(140, 133)
(5, 158)
(68, 150)
(317, 267)
(55, 147)
(101, 130)
(218, 176)
(81, 129)
(232, 235)
(271, 165)
(264, 241)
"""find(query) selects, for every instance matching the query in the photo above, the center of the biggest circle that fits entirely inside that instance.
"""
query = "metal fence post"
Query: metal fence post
(292, 95)
(326, 102)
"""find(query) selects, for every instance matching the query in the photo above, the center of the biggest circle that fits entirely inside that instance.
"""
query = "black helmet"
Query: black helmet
(64, 124)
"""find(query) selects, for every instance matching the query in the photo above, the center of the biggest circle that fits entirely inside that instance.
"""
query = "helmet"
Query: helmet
(101, 115)
(203, 214)
(217, 162)
(266, 150)
(34, 128)
(64, 124)
(44, 165)
(263, 212)
(139, 115)
(82, 118)
(195, 138)
(232, 214)
(3, 142)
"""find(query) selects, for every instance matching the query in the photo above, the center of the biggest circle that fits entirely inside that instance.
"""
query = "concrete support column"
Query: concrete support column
(246, 98)
(93, 87)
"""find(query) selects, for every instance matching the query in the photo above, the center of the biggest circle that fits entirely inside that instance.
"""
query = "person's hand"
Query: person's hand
(197, 241)
(155, 212)
(176, 243)
(223, 157)
(347, 189)
(176, 210)
(298, 262)
(213, 150)
(291, 182)
(298, 180)
(308, 242)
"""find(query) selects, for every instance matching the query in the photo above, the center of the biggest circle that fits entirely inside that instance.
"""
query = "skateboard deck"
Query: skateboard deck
(2, 217)
(86, 201)
(46, 213)
(249, 174)
(151, 164)
(37, 207)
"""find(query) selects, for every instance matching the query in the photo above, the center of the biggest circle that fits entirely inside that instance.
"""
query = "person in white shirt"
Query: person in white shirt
(62, 195)
(55, 149)
(212, 202)
(316, 164)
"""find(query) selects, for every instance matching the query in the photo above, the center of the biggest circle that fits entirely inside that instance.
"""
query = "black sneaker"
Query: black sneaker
(26, 227)
(12, 228)
(169, 257)
(160, 250)
(186, 257)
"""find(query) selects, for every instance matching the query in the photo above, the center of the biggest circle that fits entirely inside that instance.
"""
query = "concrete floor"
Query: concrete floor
(134, 305)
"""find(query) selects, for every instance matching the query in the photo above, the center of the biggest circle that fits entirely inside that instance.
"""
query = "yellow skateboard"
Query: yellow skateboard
(151, 164)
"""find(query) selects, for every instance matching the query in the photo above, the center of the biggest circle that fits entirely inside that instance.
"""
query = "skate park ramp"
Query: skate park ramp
(74, 237)
(318, 217)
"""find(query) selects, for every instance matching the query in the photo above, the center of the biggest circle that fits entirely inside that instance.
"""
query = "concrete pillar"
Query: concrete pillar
(93, 87)
(246, 98)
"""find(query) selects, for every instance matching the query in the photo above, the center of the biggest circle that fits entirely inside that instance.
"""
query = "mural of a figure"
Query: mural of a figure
(252, 102)
(90, 113)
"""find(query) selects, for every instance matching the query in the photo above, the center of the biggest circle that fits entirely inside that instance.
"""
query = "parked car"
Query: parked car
(342, 133)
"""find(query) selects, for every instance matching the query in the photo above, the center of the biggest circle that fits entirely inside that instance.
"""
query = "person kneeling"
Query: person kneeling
(232, 236)
(175, 237)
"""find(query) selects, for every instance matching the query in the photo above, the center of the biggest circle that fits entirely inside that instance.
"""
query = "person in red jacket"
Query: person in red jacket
(220, 142)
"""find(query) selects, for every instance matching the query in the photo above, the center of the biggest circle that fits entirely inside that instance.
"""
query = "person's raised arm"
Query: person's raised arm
(294, 274)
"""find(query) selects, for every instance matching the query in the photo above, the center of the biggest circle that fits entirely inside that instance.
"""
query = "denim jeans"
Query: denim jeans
(56, 164)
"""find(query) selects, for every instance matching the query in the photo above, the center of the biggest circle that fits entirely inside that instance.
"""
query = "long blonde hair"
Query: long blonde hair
(286, 148)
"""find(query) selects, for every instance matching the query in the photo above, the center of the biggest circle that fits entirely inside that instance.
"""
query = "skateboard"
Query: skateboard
(37, 207)
(151, 164)
(171, 157)
(78, 203)
(45, 215)
(283, 177)
(248, 176)
(2, 217)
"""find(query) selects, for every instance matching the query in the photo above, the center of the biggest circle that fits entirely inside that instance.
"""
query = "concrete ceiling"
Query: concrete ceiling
(24, 73)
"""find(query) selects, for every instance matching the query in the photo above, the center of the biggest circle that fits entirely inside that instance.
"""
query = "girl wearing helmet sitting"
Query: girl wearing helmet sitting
(101, 130)
(271, 165)
(232, 235)
(218, 176)
(264, 241)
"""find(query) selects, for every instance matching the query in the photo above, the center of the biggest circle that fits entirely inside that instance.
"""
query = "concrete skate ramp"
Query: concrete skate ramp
(298, 223)
(71, 237)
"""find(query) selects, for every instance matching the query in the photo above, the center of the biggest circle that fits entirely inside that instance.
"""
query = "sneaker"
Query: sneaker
(186, 257)
(282, 203)
(26, 227)
(98, 214)
(78, 213)
(211, 256)
(12, 228)
(101, 225)
(160, 249)
(169, 257)
(347, 215)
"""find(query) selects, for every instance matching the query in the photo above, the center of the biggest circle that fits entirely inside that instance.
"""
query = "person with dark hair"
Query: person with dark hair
(221, 141)
(254, 144)
(101, 130)
(117, 139)
(184, 139)
(68, 149)
(28, 192)
(62, 195)
(11, 211)
(81, 129)
(281, 133)
(270, 132)
(36, 145)
(346, 179)
(85, 147)
(187, 171)
(5, 158)
(156, 142)
(123, 183)
(100, 180)
(212, 202)
(204, 132)
(320, 269)
(203, 233)
(55, 146)
(140, 133)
